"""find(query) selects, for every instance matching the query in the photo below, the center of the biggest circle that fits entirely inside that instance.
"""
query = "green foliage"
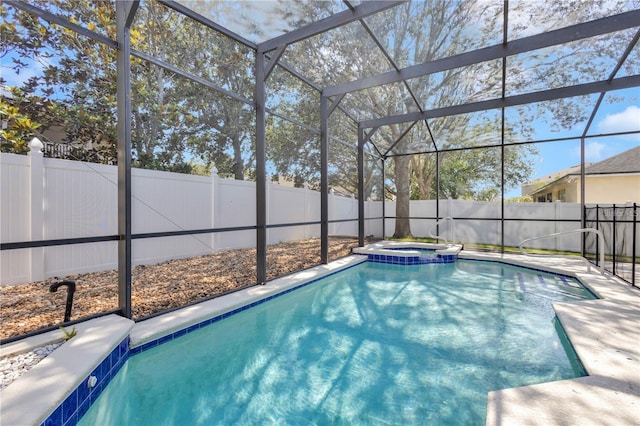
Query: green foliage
(174, 120)
(520, 199)
(75, 91)
(18, 127)
(471, 174)
(69, 334)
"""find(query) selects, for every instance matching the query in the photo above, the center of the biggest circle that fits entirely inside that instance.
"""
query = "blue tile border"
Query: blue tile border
(411, 260)
(78, 402)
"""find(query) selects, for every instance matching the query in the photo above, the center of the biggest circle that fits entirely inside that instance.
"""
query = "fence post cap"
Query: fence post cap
(214, 171)
(36, 145)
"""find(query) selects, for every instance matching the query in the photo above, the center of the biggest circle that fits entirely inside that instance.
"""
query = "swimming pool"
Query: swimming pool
(376, 343)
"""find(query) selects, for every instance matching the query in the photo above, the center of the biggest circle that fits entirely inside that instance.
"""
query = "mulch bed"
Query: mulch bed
(155, 288)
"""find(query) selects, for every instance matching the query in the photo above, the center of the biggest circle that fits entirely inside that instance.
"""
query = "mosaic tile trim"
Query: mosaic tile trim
(78, 402)
(411, 260)
(420, 249)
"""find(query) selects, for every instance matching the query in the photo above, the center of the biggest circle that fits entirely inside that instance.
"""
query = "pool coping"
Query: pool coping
(39, 392)
(404, 248)
(601, 332)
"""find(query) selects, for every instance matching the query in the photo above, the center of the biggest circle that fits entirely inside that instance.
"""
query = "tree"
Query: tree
(186, 116)
(176, 120)
(418, 32)
(413, 33)
(173, 118)
(18, 127)
(74, 69)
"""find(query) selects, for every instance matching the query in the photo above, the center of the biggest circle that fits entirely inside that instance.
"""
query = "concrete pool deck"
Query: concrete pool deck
(604, 333)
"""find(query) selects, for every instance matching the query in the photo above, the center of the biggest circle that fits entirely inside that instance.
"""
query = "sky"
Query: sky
(611, 118)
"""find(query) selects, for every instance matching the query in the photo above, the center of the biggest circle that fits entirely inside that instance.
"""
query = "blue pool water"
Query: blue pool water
(419, 249)
(375, 344)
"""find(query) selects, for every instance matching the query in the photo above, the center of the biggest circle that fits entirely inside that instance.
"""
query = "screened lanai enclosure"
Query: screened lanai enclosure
(160, 153)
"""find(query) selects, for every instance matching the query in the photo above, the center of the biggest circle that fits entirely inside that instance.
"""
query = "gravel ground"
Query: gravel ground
(155, 288)
(12, 367)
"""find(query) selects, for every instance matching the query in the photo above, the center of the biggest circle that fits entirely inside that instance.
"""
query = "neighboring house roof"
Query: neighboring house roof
(627, 162)
(535, 185)
(556, 175)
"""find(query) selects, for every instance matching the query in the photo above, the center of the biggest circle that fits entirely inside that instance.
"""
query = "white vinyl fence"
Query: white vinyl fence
(45, 199)
(535, 219)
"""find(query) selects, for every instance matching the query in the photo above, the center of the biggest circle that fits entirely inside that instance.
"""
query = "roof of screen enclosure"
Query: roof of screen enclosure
(519, 43)
(273, 28)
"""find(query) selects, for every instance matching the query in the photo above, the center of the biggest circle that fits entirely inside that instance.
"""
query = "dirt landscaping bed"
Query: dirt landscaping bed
(156, 288)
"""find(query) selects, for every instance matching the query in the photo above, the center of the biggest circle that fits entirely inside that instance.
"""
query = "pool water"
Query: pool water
(424, 252)
(375, 344)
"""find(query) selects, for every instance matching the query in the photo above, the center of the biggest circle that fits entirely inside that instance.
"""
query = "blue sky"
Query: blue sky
(621, 116)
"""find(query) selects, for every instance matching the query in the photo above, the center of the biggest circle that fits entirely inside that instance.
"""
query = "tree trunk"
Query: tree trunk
(238, 164)
(403, 226)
